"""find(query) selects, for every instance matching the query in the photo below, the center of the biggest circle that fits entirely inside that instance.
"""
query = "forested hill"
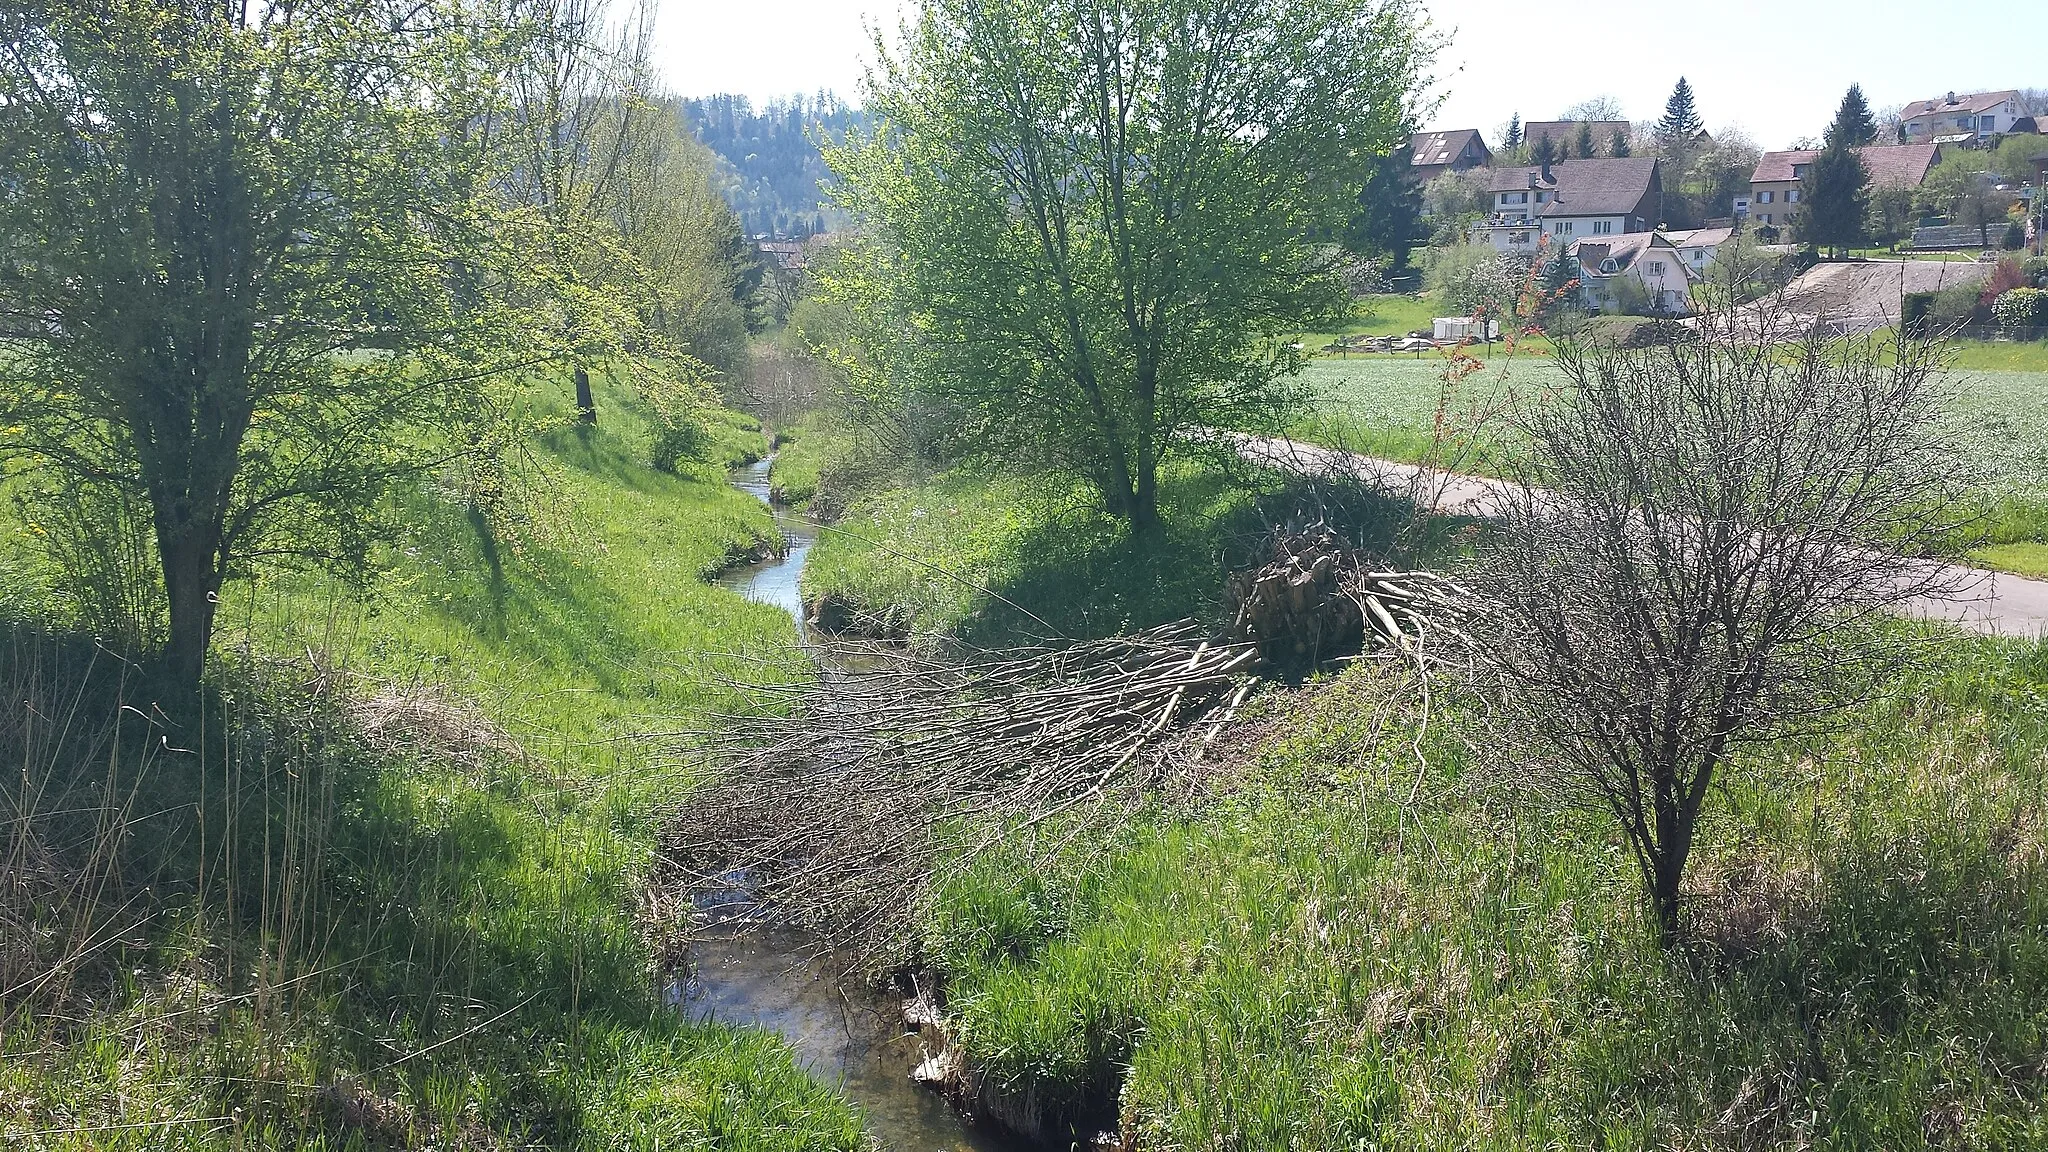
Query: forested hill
(773, 166)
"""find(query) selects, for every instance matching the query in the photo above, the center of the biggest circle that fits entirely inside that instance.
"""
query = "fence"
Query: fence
(1994, 332)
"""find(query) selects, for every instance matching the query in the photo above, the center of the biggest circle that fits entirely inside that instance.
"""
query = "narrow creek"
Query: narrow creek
(846, 1033)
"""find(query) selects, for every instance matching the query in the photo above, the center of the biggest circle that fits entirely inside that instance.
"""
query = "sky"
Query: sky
(1773, 68)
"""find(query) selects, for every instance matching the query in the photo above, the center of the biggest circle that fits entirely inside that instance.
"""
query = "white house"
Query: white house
(1645, 259)
(1570, 199)
(1697, 248)
(1972, 115)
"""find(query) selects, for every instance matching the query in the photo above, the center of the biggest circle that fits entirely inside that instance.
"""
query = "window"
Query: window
(1987, 123)
(1792, 196)
(1602, 227)
(1767, 217)
(1799, 170)
(1764, 197)
(1562, 228)
(1514, 198)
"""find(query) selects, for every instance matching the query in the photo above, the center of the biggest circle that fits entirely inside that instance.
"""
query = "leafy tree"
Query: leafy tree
(1617, 145)
(1961, 189)
(250, 279)
(1853, 121)
(1453, 200)
(1093, 224)
(1388, 222)
(1681, 120)
(1598, 108)
(1583, 142)
(1888, 218)
(775, 156)
(1512, 138)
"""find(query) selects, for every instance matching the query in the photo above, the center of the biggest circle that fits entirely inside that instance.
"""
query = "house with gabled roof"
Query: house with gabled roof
(1454, 150)
(1775, 185)
(1570, 199)
(1969, 116)
(1647, 259)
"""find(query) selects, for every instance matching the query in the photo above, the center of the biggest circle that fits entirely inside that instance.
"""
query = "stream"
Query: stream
(849, 1034)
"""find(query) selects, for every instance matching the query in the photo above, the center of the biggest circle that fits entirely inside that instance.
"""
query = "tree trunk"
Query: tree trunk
(192, 586)
(586, 405)
(1144, 506)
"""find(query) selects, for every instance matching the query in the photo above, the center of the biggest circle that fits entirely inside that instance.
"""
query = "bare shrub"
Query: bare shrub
(1700, 550)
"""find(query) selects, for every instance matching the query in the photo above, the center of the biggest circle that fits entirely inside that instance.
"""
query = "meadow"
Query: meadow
(1394, 406)
(391, 894)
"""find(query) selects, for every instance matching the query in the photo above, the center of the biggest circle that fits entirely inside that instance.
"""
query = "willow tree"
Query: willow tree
(1094, 223)
(247, 280)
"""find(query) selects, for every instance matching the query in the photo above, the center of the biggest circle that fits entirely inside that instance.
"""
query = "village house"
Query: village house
(1774, 188)
(1697, 248)
(1953, 118)
(1644, 263)
(1434, 153)
(1569, 200)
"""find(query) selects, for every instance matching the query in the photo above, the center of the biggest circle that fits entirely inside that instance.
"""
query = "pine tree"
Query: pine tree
(1513, 139)
(1836, 190)
(1853, 121)
(1681, 120)
(1585, 140)
(1389, 218)
(1544, 151)
(1618, 146)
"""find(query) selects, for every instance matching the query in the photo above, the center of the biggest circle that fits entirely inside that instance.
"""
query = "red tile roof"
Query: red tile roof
(1890, 166)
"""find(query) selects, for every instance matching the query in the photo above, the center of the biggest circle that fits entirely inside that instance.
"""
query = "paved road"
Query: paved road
(1992, 603)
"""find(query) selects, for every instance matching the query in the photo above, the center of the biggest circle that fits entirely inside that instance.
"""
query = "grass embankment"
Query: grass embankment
(1371, 938)
(390, 897)
(988, 559)
(1323, 962)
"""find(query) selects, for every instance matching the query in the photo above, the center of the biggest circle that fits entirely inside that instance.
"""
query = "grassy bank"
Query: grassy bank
(1370, 936)
(387, 894)
(1322, 963)
(989, 558)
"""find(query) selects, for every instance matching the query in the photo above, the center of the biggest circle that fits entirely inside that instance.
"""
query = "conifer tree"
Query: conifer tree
(1544, 151)
(1585, 140)
(1836, 189)
(1618, 146)
(1513, 138)
(1853, 121)
(1681, 120)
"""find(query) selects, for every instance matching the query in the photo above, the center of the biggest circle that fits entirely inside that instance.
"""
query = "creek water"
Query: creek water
(848, 1033)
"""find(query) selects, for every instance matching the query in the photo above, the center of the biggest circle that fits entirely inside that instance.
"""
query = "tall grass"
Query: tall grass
(385, 890)
(1319, 962)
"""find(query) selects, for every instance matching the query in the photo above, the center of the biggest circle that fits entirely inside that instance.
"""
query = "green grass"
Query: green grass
(435, 937)
(1318, 963)
(2001, 356)
(1389, 407)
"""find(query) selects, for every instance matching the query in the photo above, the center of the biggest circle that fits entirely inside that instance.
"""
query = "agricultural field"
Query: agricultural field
(1391, 406)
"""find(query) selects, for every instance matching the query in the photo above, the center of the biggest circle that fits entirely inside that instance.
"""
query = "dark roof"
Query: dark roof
(1965, 102)
(1429, 149)
(1567, 131)
(1607, 186)
(1890, 165)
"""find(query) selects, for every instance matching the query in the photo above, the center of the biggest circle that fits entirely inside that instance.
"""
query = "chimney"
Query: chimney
(1533, 181)
(1951, 97)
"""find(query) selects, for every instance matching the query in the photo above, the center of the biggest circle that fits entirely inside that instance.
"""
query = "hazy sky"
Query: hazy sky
(1775, 68)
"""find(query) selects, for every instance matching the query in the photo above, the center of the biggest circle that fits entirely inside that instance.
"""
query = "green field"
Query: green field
(1394, 407)
(436, 936)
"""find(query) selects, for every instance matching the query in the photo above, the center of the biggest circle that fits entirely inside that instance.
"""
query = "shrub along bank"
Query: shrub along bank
(387, 893)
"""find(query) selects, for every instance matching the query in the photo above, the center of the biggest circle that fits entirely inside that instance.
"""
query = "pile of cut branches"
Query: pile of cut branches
(837, 801)
(840, 803)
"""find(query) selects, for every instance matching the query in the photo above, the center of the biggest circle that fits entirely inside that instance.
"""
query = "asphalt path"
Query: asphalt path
(1992, 603)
